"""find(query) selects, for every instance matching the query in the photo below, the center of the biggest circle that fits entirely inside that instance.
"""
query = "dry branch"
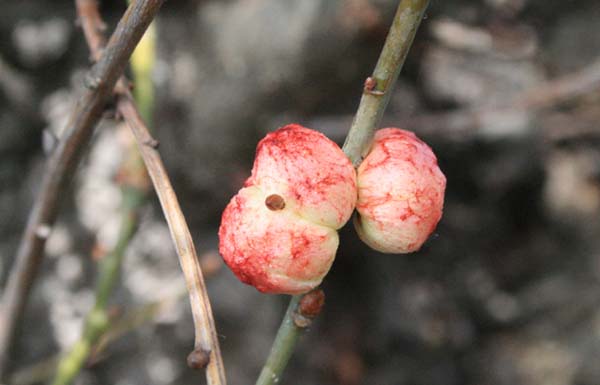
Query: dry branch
(61, 165)
(204, 326)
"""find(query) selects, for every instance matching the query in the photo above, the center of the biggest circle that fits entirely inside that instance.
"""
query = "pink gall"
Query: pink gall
(400, 192)
(278, 233)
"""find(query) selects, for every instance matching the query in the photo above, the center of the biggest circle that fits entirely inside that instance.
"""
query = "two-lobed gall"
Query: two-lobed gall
(279, 232)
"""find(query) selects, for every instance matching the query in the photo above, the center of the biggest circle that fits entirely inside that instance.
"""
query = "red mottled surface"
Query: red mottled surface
(400, 192)
(274, 251)
(310, 171)
(289, 250)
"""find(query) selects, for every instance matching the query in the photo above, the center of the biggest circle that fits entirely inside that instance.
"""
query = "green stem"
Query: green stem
(283, 347)
(375, 100)
(133, 196)
(376, 95)
(43, 370)
(97, 322)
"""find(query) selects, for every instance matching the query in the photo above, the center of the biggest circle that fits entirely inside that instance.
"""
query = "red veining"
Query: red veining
(400, 190)
(289, 249)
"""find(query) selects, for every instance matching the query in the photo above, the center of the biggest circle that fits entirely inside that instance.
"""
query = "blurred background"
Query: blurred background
(507, 291)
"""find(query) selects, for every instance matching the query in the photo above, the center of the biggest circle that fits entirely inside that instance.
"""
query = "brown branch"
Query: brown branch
(206, 341)
(61, 165)
(39, 372)
(92, 26)
(204, 324)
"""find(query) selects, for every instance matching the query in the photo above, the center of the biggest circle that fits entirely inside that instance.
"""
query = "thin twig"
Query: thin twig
(283, 346)
(463, 124)
(376, 94)
(204, 326)
(378, 88)
(298, 317)
(92, 25)
(41, 371)
(61, 165)
(123, 324)
(135, 184)
(97, 320)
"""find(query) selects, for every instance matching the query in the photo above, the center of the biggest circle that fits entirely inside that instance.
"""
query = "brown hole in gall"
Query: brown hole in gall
(275, 202)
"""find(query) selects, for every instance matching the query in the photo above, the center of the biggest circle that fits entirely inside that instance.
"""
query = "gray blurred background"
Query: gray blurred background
(506, 292)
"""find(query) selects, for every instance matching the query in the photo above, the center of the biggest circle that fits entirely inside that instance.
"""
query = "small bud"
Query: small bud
(311, 303)
(400, 192)
(198, 359)
(309, 307)
(370, 84)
